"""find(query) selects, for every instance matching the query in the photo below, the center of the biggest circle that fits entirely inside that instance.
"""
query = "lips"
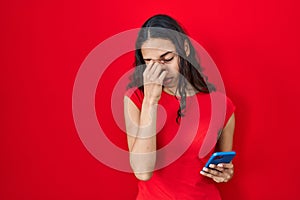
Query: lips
(167, 80)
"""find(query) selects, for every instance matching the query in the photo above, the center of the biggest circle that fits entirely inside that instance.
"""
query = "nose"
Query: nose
(162, 62)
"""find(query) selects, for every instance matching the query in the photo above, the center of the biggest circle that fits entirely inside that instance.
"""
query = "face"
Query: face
(164, 52)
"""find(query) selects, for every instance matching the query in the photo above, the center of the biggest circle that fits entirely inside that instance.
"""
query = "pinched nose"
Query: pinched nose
(160, 62)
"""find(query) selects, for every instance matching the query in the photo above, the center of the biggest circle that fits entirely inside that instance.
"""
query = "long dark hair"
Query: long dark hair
(165, 27)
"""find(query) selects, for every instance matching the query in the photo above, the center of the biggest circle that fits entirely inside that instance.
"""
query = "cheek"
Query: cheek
(173, 68)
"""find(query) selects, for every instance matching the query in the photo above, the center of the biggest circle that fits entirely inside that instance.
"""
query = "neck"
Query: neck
(190, 91)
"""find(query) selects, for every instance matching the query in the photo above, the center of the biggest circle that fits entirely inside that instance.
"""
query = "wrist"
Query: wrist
(150, 101)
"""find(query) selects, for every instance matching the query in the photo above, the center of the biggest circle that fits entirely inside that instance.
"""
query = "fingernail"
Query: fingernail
(201, 172)
(205, 169)
(211, 165)
(220, 165)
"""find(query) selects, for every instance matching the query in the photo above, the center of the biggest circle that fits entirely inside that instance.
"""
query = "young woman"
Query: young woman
(168, 75)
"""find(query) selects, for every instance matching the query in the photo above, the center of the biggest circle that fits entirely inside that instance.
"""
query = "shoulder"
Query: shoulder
(225, 102)
(221, 105)
(135, 95)
(221, 98)
(134, 91)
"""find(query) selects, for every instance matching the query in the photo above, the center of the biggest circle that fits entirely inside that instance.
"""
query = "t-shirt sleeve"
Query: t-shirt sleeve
(136, 96)
(230, 108)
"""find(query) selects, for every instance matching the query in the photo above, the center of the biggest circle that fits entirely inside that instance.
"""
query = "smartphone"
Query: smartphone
(220, 157)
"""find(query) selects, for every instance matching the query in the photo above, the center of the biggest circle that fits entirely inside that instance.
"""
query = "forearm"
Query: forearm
(225, 142)
(143, 151)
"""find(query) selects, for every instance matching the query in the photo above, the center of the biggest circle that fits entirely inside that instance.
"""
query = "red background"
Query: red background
(254, 43)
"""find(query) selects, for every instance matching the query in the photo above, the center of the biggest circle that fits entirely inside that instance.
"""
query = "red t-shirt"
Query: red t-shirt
(178, 163)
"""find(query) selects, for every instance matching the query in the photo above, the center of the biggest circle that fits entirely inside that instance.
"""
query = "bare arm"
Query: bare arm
(223, 172)
(226, 139)
(141, 124)
(141, 129)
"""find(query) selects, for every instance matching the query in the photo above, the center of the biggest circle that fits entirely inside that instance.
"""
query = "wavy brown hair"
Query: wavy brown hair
(165, 27)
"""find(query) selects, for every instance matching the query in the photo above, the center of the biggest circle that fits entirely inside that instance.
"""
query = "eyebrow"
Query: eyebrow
(162, 55)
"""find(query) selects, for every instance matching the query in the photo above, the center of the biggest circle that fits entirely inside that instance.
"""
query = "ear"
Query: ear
(186, 48)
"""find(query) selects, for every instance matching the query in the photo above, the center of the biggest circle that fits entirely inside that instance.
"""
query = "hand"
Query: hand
(222, 172)
(153, 75)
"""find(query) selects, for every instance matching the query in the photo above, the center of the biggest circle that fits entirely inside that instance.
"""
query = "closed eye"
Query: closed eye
(168, 60)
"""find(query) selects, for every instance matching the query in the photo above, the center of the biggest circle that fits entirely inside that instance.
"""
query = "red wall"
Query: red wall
(254, 43)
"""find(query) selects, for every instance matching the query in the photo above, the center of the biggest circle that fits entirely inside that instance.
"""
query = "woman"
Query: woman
(167, 74)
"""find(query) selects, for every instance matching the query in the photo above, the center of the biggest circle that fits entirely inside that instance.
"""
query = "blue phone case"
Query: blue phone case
(220, 157)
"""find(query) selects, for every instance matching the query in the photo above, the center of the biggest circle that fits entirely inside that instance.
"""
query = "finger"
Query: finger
(227, 175)
(153, 68)
(148, 67)
(206, 174)
(157, 72)
(229, 171)
(219, 180)
(215, 178)
(226, 165)
(216, 167)
(162, 76)
(212, 171)
(147, 74)
(223, 174)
